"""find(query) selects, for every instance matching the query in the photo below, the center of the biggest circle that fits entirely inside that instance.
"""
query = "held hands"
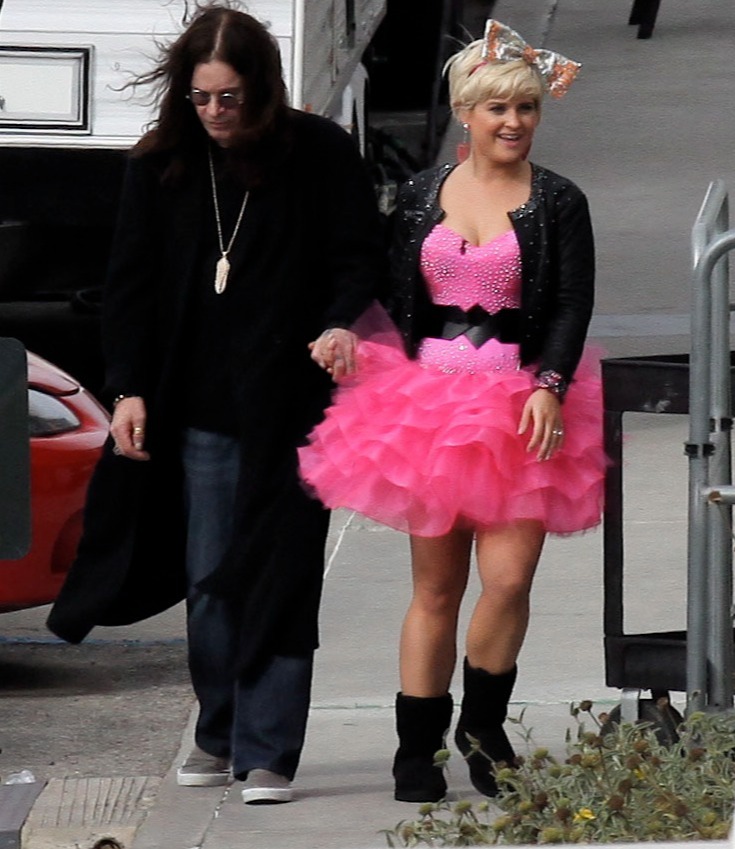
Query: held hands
(128, 428)
(542, 411)
(335, 352)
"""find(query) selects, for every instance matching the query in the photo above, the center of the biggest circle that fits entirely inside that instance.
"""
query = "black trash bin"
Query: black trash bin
(657, 384)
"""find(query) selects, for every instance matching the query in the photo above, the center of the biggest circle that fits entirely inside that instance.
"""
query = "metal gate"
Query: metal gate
(710, 557)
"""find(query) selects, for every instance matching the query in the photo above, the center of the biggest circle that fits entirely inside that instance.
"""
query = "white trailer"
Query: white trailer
(63, 64)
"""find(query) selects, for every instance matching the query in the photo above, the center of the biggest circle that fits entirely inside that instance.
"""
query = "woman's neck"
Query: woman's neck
(487, 171)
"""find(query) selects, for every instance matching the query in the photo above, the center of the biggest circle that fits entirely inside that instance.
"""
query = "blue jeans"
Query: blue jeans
(259, 723)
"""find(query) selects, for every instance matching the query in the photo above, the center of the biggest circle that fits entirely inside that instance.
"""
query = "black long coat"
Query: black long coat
(315, 249)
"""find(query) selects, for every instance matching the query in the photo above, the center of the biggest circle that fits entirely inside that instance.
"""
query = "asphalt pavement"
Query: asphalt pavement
(643, 131)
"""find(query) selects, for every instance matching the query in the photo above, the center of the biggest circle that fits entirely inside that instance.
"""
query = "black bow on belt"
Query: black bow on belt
(477, 324)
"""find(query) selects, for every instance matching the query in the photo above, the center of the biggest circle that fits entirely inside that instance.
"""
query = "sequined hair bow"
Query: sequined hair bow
(502, 44)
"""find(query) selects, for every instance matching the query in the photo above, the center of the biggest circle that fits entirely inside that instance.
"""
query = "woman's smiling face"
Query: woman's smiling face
(502, 129)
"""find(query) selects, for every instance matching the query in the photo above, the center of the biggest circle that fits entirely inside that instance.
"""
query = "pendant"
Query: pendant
(221, 272)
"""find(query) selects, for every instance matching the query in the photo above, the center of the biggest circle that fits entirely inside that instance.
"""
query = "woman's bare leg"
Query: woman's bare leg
(507, 558)
(428, 647)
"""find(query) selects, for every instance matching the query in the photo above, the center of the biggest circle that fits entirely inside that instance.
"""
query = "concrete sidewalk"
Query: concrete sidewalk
(644, 130)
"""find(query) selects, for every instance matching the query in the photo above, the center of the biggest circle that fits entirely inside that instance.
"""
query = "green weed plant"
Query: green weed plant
(619, 783)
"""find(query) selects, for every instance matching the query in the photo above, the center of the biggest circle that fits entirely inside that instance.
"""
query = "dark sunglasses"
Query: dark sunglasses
(227, 101)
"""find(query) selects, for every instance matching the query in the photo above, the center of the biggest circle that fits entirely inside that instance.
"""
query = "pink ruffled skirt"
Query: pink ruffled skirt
(428, 445)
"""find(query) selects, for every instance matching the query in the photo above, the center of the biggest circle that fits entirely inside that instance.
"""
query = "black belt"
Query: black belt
(477, 324)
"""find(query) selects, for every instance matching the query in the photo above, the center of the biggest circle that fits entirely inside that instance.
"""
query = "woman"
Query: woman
(247, 233)
(490, 432)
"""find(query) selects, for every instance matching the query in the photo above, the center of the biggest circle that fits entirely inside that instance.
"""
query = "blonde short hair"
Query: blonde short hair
(471, 81)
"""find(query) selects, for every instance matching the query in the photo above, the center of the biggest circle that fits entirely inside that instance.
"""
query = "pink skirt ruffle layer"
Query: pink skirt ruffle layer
(424, 451)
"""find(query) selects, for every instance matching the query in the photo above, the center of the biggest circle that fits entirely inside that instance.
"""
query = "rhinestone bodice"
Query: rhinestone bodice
(461, 274)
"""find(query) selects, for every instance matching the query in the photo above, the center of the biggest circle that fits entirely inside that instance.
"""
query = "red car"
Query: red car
(67, 430)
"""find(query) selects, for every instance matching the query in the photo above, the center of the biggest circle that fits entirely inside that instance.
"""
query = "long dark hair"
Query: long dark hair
(217, 31)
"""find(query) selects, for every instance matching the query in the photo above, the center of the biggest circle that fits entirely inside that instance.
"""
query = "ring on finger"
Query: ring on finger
(117, 450)
(137, 430)
(557, 432)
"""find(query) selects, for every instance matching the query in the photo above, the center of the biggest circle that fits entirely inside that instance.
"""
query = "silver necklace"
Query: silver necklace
(222, 268)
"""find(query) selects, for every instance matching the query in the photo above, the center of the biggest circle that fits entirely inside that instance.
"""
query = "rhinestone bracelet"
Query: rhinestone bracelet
(553, 382)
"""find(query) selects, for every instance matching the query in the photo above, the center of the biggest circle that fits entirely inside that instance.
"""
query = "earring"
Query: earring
(463, 148)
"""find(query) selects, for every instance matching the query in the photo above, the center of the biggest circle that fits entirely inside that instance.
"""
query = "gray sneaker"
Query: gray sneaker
(203, 770)
(263, 787)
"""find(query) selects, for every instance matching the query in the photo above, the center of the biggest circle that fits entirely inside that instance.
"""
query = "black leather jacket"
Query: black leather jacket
(554, 233)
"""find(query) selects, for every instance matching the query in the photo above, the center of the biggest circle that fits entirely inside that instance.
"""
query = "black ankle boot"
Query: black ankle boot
(422, 725)
(484, 709)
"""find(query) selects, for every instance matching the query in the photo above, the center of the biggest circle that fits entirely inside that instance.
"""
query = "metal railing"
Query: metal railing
(709, 656)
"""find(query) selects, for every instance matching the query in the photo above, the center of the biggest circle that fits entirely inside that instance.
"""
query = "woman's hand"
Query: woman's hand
(335, 351)
(543, 412)
(128, 428)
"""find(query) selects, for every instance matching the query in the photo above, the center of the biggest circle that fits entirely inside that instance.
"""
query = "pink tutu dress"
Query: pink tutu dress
(431, 444)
